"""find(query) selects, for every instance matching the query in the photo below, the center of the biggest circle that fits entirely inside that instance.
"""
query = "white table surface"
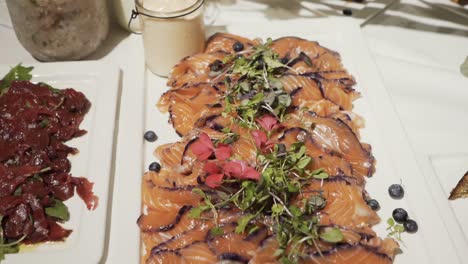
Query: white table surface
(411, 43)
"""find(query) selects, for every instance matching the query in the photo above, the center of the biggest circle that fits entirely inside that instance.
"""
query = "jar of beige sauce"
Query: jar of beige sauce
(172, 30)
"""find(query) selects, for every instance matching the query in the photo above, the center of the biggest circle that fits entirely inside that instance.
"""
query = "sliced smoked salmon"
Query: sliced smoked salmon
(269, 166)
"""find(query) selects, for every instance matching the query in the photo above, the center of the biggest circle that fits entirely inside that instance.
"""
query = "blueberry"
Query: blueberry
(400, 215)
(373, 204)
(238, 46)
(411, 226)
(396, 191)
(154, 166)
(216, 66)
(284, 60)
(347, 12)
(150, 136)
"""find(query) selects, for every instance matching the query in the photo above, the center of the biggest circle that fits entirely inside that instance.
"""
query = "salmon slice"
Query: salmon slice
(232, 246)
(193, 70)
(196, 253)
(204, 93)
(345, 205)
(244, 149)
(156, 221)
(336, 92)
(223, 42)
(335, 137)
(184, 230)
(350, 255)
(322, 59)
(293, 82)
(352, 120)
(311, 89)
(153, 237)
(170, 178)
(167, 199)
(198, 233)
(265, 254)
(189, 104)
(170, 155)
(321, 108)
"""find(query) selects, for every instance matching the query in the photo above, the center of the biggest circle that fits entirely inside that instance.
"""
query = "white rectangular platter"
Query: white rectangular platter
(100, 84)
(395, 159)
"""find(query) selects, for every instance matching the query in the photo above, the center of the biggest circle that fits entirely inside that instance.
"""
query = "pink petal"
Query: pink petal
(211, 168)
(267, 122)
(223, 152)
(214, 180)
(260, 138)
(234, 168)
(203, 147)
(205, 139)
(251, 173)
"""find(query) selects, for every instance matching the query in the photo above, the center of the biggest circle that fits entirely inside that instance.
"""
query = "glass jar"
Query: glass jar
(171, 31)
(53, 30)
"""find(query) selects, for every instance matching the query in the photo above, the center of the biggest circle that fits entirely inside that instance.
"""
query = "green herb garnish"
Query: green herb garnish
(395, 229)
(17, 73)
(58, 210)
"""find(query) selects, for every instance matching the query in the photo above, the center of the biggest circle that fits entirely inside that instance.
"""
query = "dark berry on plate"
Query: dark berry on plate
(284, 60)
(154, 166)
(400, 215)
(411, 226)
(347, 12)
(374, 204)
(150, 136)
(396, 191)
(238, 46)
(216, 66)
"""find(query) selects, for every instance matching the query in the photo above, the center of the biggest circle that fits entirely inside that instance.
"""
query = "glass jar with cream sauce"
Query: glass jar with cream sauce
(172, 30)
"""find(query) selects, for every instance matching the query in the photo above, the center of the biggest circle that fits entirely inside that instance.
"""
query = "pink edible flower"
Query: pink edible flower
(203, 148)
(223, 152)
(212, 168)
(214, 180)
(261, 140)
(268, 122)
(239, 169)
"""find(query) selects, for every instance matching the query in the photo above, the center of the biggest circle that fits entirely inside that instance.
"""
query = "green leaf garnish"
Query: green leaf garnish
(395, 230)
(332, 235)
(217, 231)
(58, 210)
(17, 73)
(243, 222)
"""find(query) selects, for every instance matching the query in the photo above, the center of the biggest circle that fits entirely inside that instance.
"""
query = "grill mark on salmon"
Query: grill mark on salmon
(145, 221)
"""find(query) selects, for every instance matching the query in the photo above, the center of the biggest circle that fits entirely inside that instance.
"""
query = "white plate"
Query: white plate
(99, 82)
(395, 159)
